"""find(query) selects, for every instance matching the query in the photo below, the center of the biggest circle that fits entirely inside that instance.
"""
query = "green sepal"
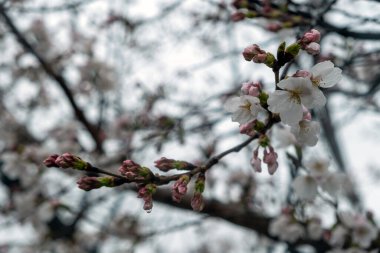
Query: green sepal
(259, 126)
(264, 141)
(251, 14)
(293, 49)
(270, 60)
(263, 97)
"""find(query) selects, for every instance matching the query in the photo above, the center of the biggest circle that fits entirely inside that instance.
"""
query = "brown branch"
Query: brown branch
(57, 77)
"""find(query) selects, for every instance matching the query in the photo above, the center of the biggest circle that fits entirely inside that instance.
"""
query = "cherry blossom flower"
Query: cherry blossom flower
(318, 167)
(363, 232)
(325, 75)
(286, 229)
(333, 183)
(305, 187)
(306, 132)
(314, 229)
(282, 136)
(338, 236)
(244, 109)
(297, 91)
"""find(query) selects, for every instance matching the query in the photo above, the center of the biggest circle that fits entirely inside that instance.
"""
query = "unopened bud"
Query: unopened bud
(197, 202)
(254, 53)
(251, 88)
(134, 171)
(313, 48)
(50, 161)
(180, 188)
(237, 16)
(68, 160)
(165, 164)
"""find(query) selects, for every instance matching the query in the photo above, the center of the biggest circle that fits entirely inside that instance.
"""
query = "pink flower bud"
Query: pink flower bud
(274, 27)
(306, 113)
(251, 88)
(165, 164)
(89, 183)
(50, 161)
(134, 171)
(248, 128)
(256, 161)
(197, 202)
(255, 54)
(146, 192)
(313, 48)
(270, 158)
(237, 16)
(180, 188)
(68, 160)
(311, 36)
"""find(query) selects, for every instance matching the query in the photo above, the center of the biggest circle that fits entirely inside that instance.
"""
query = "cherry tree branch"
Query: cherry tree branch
(55, 76)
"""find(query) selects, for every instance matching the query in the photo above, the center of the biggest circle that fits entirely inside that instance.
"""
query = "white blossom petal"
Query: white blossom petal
(306, 132)
(305, 187)
(325, 75)
(318, 99)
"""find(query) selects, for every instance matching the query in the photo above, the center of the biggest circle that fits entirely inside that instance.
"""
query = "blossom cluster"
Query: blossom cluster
(352, 233)
(318, 176)
(291, 101)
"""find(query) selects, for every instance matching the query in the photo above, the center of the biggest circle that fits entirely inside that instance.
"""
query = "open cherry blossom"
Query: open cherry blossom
(305, 187)
(325, 75)
(297, 91)
(306, 132)
(244, 109)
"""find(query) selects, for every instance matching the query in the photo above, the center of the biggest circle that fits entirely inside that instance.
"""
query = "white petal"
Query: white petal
(308, 133)
(305, 187)
(242, 116)
(291, 113)
(331, 78)
(333, 184)
(322, 68)
(232, 104)
(318, 99)
(295, 83)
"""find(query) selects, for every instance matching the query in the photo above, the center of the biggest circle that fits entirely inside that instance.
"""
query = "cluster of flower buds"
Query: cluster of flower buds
(269, 157)
(309, 42)
(146, 192)
(67, 160)
(197, 200)
(180, 188)
(89, 183)
(134, 171)
(165, 164)
(256, 54)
